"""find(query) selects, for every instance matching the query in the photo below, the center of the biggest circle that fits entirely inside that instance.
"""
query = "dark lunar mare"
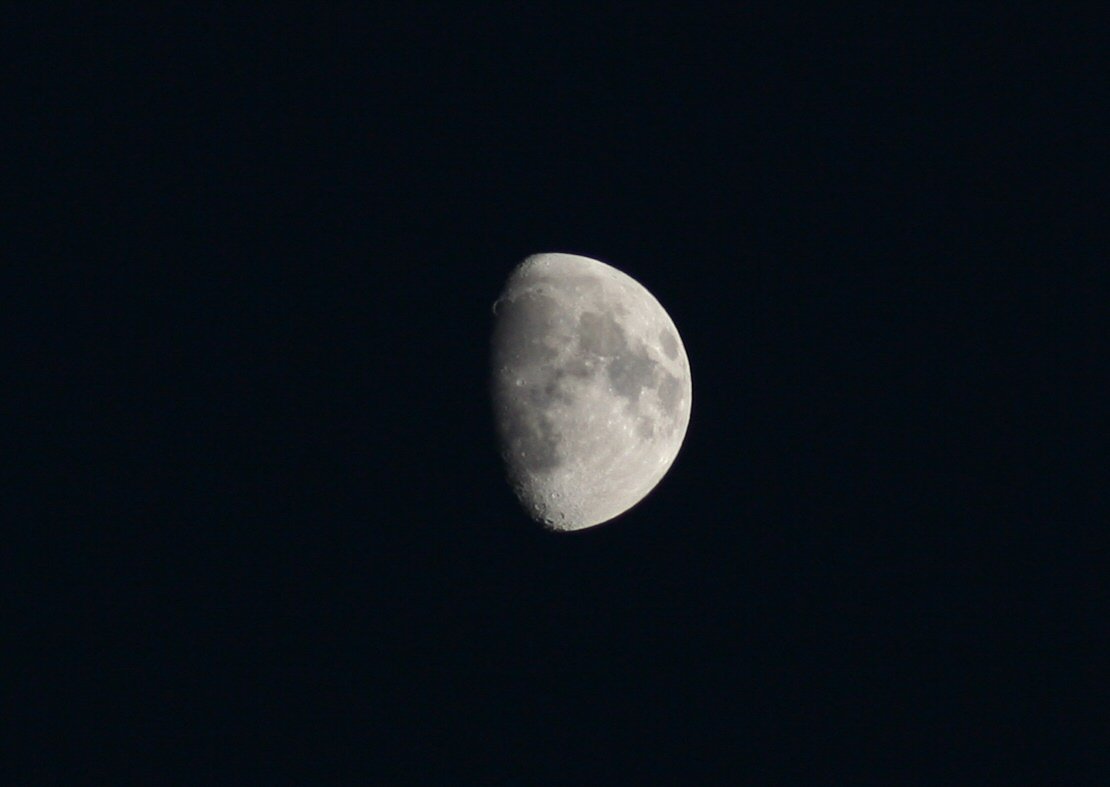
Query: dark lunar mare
(630, 371)
(669, 344)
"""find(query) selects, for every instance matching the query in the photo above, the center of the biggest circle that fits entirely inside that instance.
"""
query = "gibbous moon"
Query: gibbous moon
(590, 386)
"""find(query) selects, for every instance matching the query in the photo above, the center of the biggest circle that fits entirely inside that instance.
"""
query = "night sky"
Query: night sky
(261, 530)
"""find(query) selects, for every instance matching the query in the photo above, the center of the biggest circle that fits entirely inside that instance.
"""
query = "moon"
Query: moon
(590, 386)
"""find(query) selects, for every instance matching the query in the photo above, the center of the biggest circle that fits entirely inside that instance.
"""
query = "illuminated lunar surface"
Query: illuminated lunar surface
(591, 389)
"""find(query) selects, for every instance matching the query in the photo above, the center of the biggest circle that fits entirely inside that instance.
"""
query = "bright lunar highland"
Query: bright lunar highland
(591, 389)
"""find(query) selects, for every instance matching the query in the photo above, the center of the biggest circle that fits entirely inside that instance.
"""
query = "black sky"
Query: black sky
(261, 530)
